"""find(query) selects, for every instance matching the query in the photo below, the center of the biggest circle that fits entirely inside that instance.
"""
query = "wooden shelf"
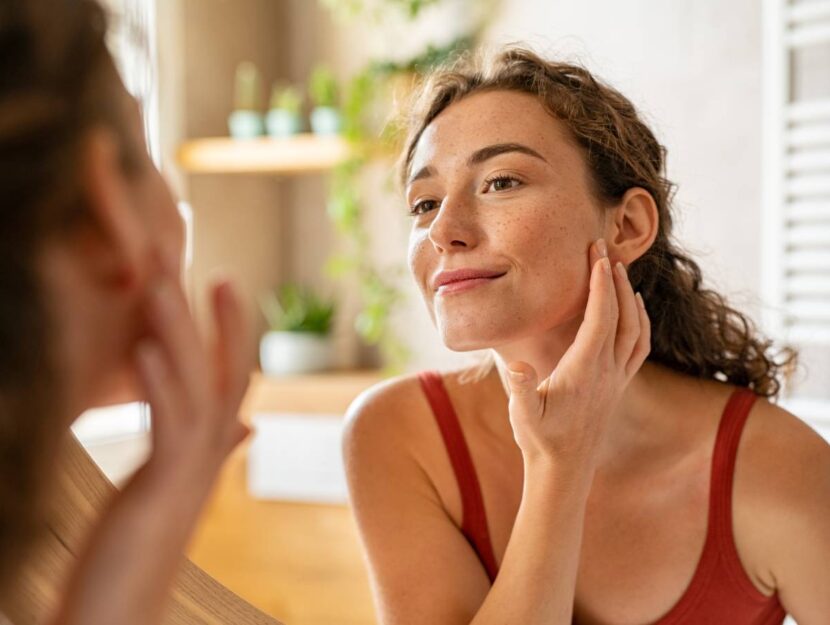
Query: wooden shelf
(304, 153)
(329, 392)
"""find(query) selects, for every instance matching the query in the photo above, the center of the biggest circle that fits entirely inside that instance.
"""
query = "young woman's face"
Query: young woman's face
(500, 194)
(157, 231)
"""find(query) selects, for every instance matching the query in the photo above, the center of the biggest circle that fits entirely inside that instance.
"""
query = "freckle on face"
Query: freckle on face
(539, 233)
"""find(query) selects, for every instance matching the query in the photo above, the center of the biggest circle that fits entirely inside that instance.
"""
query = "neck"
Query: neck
(541, 351)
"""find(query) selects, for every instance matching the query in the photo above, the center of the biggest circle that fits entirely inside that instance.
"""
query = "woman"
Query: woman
(620, 463)
(91, 307)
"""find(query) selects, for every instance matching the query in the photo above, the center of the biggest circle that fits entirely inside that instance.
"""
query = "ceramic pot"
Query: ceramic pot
(326, 120)
(245, 124)
(284, 353)
(281, 123)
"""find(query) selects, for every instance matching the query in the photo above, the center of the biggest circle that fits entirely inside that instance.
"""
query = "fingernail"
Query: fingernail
(517, 376)
(602, 248)
(606, 265)
(640, 301)
(621, 271)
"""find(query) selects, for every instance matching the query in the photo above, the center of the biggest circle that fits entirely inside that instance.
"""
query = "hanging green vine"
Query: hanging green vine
(376, 8)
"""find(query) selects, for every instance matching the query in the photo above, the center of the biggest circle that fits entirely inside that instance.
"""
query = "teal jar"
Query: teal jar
(245, 124)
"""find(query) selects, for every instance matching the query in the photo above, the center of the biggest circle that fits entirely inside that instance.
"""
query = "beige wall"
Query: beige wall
(694, 69)
(238, 220)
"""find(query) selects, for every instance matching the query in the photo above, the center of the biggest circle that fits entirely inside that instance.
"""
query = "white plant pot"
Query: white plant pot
(326, 120)
(285, 353)
(281, 123)
(245, 124)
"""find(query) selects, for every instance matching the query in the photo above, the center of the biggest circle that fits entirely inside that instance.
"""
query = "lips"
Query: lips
(459, 277)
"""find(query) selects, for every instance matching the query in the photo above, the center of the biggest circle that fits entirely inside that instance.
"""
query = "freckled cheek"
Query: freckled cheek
(418, 259)
(550, 252)
(539, 242)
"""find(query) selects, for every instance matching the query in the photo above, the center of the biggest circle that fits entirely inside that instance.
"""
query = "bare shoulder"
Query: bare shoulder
(781, 499)
(784, 459)
(397, 409)
(387, 411)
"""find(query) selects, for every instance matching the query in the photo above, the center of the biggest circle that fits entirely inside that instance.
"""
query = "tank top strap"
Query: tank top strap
(474, 518)
(722, 481)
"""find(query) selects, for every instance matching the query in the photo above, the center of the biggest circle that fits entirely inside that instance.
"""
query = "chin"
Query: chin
(471, 338)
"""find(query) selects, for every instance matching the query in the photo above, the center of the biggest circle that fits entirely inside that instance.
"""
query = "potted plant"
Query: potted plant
(284, 118)
(299, 336)
(326, 118)
(245, 122)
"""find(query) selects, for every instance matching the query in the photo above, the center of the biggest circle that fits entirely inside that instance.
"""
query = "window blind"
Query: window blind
(796, 212)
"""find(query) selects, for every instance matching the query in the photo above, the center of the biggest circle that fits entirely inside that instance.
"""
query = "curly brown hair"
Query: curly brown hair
(694, 330)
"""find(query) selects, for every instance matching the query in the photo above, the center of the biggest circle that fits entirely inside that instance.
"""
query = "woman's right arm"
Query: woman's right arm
(422, 568)
(126, 571)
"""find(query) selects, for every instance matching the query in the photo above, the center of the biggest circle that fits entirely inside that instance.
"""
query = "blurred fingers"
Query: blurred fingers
(154, 375)
(176, 331)
(233, 356)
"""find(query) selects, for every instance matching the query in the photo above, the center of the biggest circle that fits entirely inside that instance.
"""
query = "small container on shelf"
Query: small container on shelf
(245, 122)
(326, 118)
(284, 118)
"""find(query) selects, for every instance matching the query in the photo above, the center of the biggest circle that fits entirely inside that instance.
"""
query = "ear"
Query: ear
(112, 243)
(632, 227)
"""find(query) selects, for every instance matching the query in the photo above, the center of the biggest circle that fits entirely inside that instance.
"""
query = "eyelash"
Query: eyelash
(501, 178)
(415, 210)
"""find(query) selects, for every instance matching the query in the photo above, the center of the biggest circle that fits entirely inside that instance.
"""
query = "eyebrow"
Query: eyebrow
(484, 154)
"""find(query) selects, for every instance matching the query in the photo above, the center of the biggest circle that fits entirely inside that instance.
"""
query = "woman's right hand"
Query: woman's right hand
(562, 420)
(194, 390)
(135, 550)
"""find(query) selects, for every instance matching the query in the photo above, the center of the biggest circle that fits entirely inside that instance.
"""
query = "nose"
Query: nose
(454, 226)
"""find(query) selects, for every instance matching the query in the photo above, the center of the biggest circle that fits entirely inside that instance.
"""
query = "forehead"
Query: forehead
(487, 118)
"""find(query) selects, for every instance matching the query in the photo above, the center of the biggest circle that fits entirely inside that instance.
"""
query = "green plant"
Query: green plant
(322, 87)
(287, 98)
(377, 8)
(295, 309)
(247, 87)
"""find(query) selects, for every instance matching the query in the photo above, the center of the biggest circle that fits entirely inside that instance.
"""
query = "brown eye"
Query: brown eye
(422, 207)
(502, 183)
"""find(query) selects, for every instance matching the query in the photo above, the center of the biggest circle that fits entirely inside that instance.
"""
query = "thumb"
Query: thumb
(239, 434)
(525, 399)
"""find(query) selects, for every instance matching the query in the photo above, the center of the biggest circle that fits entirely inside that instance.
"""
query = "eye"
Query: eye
(501, 183)
(424, 206)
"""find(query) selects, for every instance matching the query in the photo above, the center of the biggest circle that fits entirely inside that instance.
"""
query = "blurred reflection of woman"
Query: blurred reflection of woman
(91, 307)
(620, 462)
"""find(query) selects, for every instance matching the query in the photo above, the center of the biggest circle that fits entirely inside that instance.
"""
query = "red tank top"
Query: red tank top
(720, 591)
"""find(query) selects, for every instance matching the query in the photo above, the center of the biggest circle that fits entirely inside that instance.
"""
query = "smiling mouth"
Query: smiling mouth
(459, 286)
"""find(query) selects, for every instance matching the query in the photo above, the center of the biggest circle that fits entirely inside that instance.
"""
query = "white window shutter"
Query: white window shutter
(796, 212)
(132, 41)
